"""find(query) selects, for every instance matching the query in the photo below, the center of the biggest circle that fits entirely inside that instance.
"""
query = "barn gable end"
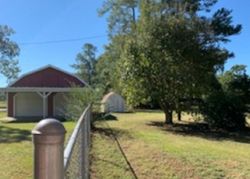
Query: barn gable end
(48, 76)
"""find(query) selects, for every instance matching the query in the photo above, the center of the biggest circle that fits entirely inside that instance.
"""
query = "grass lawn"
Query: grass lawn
(2, 115)
(16, 149)
(2, 104)
(153, 151)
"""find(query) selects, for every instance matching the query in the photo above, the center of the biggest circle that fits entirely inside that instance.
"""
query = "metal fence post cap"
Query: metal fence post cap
(49, 127)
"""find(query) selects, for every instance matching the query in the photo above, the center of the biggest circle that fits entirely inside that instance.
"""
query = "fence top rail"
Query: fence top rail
(72, 140)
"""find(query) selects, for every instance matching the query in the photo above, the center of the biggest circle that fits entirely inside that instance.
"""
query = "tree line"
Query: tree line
(172, 53)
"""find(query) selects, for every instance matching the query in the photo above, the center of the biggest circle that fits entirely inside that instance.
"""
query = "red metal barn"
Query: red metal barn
(40, 93)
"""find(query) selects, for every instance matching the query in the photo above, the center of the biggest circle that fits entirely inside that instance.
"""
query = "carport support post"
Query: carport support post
(44, 95)
(48, 140)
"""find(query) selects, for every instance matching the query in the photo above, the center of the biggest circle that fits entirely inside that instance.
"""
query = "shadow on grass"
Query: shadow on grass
(109, 117)
(10, 135)
(104, 117)
(149, 110)
(108, 132)
(19, 122)
(24, 120)
(202, 130)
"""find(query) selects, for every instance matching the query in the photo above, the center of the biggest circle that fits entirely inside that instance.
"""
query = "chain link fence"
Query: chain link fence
(76, 153)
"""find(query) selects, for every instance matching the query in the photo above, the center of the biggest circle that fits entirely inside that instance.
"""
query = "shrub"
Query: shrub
(225, 111)
(78, 100)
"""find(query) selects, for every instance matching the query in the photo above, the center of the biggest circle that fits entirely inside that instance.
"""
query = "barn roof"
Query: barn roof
(48, 77)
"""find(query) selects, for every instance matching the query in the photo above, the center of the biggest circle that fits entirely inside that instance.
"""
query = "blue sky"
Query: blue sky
(47, 20)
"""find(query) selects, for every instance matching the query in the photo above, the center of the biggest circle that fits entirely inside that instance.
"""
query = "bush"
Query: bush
(78, 100)
(224, 111)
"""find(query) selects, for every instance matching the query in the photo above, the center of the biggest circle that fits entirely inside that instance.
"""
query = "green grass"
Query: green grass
(155, 151)
(2, 115)
(16, 149)
(2, 104)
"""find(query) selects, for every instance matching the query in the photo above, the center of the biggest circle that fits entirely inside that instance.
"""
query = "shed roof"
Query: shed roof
(48, 77)
(107, 96)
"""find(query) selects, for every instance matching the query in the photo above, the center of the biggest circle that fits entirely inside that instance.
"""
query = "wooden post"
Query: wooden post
(48, 140)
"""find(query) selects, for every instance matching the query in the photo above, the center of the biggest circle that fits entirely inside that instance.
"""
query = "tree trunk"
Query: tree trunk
(179, 115)
(168, 117)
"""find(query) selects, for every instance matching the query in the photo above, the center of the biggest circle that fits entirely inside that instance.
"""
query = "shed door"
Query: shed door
(28, 104)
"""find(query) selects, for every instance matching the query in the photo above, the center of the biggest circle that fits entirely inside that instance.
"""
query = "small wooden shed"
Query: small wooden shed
(113, 102)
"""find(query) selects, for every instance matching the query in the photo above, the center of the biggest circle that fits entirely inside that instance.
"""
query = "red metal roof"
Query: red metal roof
(48, 76)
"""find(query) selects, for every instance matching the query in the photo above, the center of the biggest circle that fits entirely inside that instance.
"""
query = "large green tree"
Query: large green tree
(85, 63)
(8, 51)
(175, 51)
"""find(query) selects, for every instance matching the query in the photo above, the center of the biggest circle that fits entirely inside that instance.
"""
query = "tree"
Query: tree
(236, 82)
(8, 51)
(122, 14)
(85, 63)
(107, 70)
(122, 17)
(226, 106)
(174, 52)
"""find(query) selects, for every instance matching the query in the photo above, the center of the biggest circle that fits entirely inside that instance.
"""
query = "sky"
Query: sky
(56, 20)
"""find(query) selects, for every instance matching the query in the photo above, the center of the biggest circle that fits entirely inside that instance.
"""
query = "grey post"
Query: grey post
(48, 140)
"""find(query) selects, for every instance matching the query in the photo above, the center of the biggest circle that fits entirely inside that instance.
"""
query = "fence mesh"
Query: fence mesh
(76, 164)
(73, 169)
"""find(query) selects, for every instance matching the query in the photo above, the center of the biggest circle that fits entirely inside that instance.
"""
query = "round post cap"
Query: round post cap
(49, 127)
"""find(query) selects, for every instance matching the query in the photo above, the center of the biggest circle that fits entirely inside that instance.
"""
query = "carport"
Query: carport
(41, 93)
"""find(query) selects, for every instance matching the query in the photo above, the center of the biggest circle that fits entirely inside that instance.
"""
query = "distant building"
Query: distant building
(39, 94)
(113, 102)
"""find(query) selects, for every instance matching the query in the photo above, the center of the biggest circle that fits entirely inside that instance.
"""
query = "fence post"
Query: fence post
(48, 140)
